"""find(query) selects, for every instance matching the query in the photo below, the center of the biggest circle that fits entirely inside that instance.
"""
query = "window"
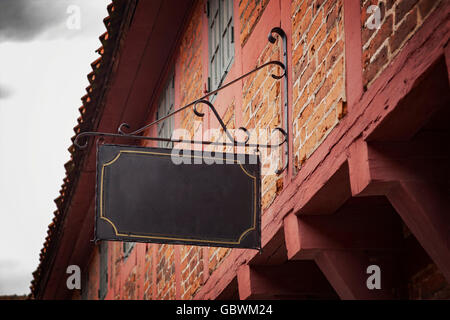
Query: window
(127, 248)
(221, 40)
(166, 106)
(103, 287)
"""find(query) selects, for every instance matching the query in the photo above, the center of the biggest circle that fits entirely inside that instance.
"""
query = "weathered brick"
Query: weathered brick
(318, 20)
(304, 116)
(267, 116)
(425, 7)
(335, 54)
(298, 53)
(260, 78)
(335, 93)
(297, 18)
(325, 48)
(268, 197)
(323, 91)
(383, 34)
(329, 5)
(390, 3)
(310, 144)
(276, 121)
(300, 67)
(304, 25)
(402, 8)
(318, 78)
(404, 15)
(320, 36)
(326, 124)
(377, 65)
(307, 74)
(317, 5)
(317, 115)
(274, 92)
(299, 104)
(267, 181)
(366, 33)
(406, 27)
(332, 17)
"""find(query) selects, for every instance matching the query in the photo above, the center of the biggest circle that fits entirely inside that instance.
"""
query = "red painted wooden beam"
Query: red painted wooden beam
(360, 224)
(344, 244)
(353, 52)
(362, 232)
(244, 281)
(298, 279)
(413, 177)
(329, 196)
(274, 252)
(377, 166)
(428, 95)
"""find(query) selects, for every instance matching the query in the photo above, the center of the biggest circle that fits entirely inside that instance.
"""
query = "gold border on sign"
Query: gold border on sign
(103, 217)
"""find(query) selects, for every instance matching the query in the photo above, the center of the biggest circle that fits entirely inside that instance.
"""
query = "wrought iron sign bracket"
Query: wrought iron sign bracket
(121, 133)
(282, 34)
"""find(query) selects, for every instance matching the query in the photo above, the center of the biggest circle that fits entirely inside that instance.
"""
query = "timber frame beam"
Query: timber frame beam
(343, 166)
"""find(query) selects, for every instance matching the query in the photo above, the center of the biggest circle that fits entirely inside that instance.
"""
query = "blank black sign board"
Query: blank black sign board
(178, 197)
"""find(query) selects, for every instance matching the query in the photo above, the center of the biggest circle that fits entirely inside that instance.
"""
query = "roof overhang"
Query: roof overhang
(148, 37)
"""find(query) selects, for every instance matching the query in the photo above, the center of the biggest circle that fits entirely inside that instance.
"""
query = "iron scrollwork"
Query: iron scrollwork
(122, 129)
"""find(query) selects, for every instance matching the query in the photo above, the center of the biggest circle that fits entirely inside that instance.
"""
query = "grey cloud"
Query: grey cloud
(25, 20)
(15, 283)
(12, 280)
(5, 92)
(22, 20)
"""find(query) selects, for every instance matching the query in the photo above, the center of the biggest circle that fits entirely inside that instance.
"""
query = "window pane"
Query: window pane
(221, 49)
(127, 248)
(213, 11)
(166, 106)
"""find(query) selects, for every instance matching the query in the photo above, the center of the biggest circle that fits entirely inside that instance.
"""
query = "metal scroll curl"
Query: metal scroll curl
(123, 133)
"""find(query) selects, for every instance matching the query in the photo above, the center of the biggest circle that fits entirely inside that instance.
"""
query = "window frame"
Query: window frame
(127, 248)
(166, 106)
(221, 51)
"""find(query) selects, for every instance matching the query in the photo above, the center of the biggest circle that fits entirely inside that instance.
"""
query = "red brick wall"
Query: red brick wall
(191, 270)
(190, 73)
(165, 272)
(318, 73)
(399, 21)
(262, 109)
(192, 80)
(130, 286)
(148, 274)
(216, 256)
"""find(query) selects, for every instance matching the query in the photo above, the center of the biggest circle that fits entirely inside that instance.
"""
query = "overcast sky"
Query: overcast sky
(44, 61)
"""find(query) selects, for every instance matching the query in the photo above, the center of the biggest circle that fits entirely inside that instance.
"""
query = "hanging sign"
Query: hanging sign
(178, 197)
